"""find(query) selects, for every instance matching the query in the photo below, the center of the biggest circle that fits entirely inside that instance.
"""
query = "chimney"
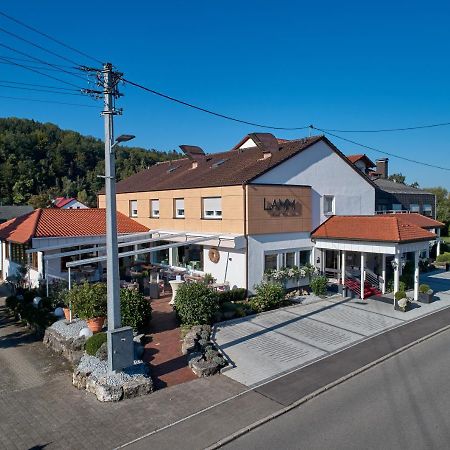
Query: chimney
(383, 167)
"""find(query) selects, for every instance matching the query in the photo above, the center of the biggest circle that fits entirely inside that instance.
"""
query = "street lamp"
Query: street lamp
(123, 138)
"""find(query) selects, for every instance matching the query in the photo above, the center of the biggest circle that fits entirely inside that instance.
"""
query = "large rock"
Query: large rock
(204, 368)
(137, 387)
(71, 348)
(108, 393)
(189, 345)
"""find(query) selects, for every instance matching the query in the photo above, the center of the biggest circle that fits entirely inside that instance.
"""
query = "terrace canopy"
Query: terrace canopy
(389, 234)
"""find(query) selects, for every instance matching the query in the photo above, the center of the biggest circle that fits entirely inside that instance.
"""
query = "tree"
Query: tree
(398, 178)
(442, 203)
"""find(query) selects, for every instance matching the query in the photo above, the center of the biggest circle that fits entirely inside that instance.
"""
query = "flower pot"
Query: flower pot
(66, 313)
(95, 324)
(425, 297)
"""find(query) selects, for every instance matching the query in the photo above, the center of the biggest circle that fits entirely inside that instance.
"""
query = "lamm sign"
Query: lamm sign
(282, 207)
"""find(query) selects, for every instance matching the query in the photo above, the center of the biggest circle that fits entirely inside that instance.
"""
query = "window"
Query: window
(7, 244)
(18, 254)
(396, 207)
(289, 259)
(154, 209)
(270, 262)
(34, 260)
(427, 210)
(328, 204)
(414, 207)
(179, 208)
(133, 208)
(212, 208)
(305, 257)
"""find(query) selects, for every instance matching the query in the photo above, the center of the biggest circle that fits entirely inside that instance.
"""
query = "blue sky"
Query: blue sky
(341, 65)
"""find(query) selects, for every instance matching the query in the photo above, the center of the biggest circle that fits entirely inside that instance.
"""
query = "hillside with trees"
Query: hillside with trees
(40, 161)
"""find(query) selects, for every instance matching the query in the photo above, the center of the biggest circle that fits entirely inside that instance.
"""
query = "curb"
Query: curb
(321, 390)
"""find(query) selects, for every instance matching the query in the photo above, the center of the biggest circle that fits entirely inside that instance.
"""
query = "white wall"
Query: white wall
(259, 244)
(75, 204)
(328, 174)
(231, 266)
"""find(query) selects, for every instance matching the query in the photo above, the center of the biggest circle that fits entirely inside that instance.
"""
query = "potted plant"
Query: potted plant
(425, 294)
(89, 303)
(401, 301)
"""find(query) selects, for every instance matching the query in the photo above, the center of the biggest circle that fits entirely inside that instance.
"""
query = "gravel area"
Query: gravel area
(69, 329)
(99, 370)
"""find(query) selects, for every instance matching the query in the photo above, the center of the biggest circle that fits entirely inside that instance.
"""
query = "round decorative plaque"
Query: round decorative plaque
(214, 255)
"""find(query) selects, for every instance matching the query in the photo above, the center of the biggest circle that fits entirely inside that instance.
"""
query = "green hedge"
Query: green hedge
(196, 304)
(443, 258)
(234, 295)
(268, 295)
(318, 285)
(94, 343)
(135, 310)
(24, 310)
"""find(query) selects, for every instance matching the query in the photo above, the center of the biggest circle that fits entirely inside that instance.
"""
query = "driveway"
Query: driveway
(263, 347)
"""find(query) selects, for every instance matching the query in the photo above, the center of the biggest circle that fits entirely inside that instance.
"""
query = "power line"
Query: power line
(418, 127)
(41, 73)
(199, 108)
(38, 85)
(28, 66)
(381, 151)
(50, 37)
(24, 88)
(40, 60)
(29, 60)
(39, 46)
(47, 101)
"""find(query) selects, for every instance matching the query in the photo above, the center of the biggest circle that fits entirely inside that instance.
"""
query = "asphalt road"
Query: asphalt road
(403, 403)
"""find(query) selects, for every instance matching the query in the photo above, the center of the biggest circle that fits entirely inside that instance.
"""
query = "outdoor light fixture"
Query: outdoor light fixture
(125, 138)
(402, 263)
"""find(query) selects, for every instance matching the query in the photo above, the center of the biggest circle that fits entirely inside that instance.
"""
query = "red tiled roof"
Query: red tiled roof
(354, 158)
(62, 201)
(64, 223)
(231, 168)
(419, 220)
(20, 229)
(383, 228)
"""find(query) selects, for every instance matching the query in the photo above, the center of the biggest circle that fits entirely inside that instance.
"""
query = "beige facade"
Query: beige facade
(232, 200)
(291, 211)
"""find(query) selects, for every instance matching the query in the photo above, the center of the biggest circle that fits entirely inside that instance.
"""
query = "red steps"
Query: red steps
(369, 290)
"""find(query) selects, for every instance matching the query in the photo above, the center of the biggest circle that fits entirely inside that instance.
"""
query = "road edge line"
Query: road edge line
(306, 398)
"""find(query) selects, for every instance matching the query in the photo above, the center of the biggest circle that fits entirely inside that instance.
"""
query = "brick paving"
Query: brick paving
(163, 352)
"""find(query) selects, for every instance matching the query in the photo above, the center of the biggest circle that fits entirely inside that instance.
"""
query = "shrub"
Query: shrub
(424, 289)
(58, 293)
(94, 343)
(268, 296)
(135, 310)
(234, 295)
(399, 295)
(196, 304)
(443, 258)
(88, 300)
(319, 285)
(11, 302)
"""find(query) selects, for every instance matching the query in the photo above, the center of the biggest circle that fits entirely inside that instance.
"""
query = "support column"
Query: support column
(396, 272)
(322, 260)
(363, 265)
(416, 275)
(338, 268)
(343, 257)
(438, 247)
(383, 273)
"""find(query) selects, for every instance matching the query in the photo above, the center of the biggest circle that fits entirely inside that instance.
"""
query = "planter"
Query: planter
(425, 298)
(66, 313)
(95, 324)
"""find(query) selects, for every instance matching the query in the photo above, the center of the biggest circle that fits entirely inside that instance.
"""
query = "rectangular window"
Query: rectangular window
(328, 204)
(18, 254)
(179, 208)
(396, 207)
(305, 257)
(154, 209)
(133, 208)
(427, 210)
(414, 207)
(212, 207)
(289, 259)
(270, 262)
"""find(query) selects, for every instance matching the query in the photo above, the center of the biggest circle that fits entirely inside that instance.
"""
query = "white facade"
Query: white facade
(328, 174)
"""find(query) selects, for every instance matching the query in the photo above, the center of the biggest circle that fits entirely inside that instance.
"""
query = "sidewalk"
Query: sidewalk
(43, 409)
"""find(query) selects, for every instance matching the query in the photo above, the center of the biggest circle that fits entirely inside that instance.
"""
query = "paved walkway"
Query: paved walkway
(263, 347)
(163, 352)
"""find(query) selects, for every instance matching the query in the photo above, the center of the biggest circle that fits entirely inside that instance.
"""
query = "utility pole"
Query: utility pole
(112, 253)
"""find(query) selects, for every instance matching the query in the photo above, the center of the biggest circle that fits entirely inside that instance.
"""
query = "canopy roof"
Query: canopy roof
(52, 222)
(398, 228)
